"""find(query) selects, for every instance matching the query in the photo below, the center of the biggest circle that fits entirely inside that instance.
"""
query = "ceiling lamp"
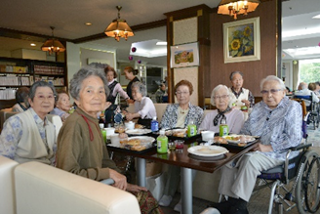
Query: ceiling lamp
(118, 28)
(234, 7)
(53, 45)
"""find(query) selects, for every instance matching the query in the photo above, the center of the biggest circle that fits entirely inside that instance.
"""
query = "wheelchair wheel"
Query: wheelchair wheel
(312, 186)
(307, 190)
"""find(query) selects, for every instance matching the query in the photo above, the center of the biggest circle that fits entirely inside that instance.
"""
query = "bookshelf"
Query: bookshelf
(15, 73)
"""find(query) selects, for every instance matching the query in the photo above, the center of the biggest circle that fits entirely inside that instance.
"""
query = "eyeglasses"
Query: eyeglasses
(272, 91)
(223, 97)
(182, 92)
(43, 98)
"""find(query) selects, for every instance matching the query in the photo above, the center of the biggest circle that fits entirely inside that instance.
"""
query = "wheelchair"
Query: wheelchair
(296, 183)
(312, 110)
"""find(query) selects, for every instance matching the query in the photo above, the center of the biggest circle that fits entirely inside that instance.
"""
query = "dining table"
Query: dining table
(186, 162)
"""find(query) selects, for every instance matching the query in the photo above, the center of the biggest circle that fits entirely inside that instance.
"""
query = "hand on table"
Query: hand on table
(262, 148)
(120, 181)
(135, 189)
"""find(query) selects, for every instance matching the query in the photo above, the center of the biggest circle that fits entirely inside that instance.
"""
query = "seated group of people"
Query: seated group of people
(80, 148)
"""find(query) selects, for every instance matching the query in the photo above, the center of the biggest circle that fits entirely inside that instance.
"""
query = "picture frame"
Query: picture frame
(241, 40)
(185, 55)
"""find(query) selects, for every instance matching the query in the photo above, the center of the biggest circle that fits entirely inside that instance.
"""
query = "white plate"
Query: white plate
(138, 131)
(172, 131)
(247, 138)
(207, 151)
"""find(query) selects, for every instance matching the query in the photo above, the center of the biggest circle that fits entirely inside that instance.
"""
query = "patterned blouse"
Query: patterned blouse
(170, 116)
(280, 127)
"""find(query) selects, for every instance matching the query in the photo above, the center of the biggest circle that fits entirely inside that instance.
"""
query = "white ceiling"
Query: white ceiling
(69, 18)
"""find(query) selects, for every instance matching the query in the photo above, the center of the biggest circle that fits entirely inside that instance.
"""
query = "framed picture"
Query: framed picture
(241, 40)
(185, 55)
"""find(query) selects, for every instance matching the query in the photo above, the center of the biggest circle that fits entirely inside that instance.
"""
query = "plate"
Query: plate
(144, 143)
(177, 132)
(138, 131)
(207, 151)
(143, 139)
(239, 138)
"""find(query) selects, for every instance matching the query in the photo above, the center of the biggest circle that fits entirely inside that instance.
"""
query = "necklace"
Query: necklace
(183, 111)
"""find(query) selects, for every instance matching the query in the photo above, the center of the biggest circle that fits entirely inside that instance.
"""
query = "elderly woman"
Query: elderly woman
(62, 105)
(183, 112)
(115, 89)
(22, 100)
(178, 115)
(81, 148)
(277, 120)
(220, 97)
(130, 74)
(30, 136)
(144, 108)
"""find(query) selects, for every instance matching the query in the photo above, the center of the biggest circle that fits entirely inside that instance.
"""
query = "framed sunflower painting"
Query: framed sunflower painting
(241, 40)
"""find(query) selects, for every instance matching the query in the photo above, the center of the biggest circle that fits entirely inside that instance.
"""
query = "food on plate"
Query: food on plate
(138, 126)
(179, 134)
(242, 144)
(232, 137)
(220, 140)
(138, 147)
(131, 142)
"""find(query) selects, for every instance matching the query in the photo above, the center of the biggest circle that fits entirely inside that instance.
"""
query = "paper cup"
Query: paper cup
(207, 135)
(129, 125)
(110, 131)
(115, 140)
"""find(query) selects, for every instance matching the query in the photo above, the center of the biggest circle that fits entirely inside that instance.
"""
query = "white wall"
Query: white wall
(74, 57)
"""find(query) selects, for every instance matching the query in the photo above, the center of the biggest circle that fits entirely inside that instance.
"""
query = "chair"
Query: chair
(57, 122)
(312, 109)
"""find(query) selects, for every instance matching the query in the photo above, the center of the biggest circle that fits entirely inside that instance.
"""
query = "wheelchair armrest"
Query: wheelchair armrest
(300, 146)
(286, 163)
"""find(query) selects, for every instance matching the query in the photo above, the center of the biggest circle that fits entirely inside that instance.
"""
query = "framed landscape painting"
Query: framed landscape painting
(185, 55)
(241, 40)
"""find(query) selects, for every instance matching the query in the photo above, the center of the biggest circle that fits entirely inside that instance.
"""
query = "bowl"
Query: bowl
(207, 135)
(129, 125)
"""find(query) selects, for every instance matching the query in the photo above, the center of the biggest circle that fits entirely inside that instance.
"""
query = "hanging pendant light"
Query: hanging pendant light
(235, 7)
(119, 28)
(53, 45)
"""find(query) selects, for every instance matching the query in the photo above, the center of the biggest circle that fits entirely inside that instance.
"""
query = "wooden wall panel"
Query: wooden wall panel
(253, 71)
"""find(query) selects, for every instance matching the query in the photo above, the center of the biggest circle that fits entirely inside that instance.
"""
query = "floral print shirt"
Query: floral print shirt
(280, 127)
(170, 116)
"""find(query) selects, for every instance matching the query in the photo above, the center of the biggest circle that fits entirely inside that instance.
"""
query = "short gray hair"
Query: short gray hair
(38, 84)
(273, 78)
(217, 88)
(80, 76)
(235, 72)
(141, 87)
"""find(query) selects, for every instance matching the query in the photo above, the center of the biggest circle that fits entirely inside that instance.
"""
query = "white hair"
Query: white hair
(217, 88)
(273, 78)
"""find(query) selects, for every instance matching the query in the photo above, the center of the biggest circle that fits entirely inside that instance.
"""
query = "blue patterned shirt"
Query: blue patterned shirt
(12, 133)
(280, 127)
(170, 116)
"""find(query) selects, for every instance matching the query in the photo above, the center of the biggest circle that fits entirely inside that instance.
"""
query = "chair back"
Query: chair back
(4, 115)
(7, 202)
(160, 109)
(57, 122)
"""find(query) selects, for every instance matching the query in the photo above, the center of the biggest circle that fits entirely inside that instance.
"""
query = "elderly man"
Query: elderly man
(240, 95)
(304, 91)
